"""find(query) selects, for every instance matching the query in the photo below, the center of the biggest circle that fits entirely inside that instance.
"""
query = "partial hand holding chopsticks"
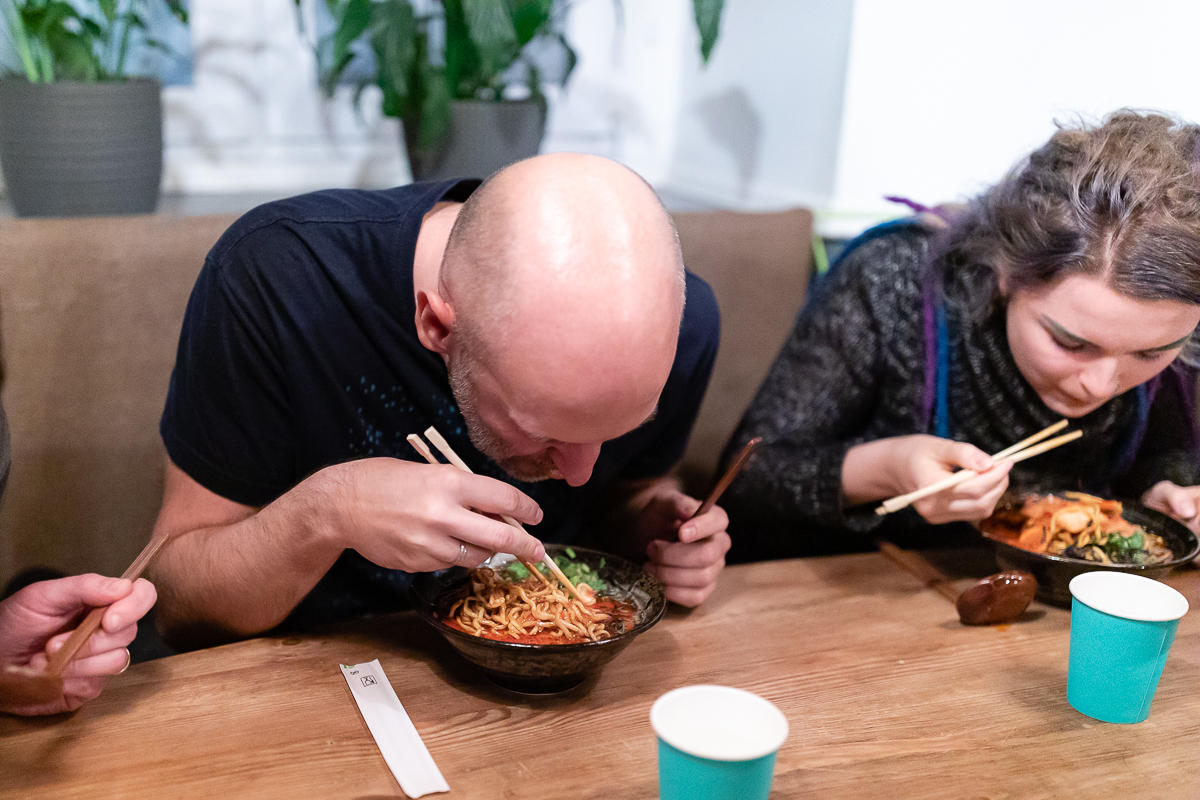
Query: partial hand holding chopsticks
(1017, 452)
(734, 468)
(75, 642)
(444, 447)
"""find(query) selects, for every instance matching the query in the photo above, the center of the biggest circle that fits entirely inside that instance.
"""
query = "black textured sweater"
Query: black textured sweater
(853, 370)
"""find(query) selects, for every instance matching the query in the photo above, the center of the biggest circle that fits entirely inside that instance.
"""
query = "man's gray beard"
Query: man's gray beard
(481, 436)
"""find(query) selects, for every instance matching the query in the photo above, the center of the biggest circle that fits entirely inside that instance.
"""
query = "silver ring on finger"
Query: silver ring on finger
(462, 555)
(128, 661)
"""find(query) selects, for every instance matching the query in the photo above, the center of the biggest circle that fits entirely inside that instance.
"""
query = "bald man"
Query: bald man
(538, 322)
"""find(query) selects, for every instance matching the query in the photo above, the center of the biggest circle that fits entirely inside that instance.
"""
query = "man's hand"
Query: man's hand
(419, 517)
(686, 554)
(232, 570)
(1180, 502)
(37, 620)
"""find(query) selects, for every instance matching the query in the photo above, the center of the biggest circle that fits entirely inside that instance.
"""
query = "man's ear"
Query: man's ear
(435, 322)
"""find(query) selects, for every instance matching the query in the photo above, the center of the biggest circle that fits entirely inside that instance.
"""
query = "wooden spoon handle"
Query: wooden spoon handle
(920, 569)
(80, 636)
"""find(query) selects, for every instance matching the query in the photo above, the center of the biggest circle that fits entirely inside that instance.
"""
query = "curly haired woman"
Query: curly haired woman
(1069, 289)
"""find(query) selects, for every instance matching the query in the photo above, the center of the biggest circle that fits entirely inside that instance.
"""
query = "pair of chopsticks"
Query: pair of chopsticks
(1026, 448)
(444, 448)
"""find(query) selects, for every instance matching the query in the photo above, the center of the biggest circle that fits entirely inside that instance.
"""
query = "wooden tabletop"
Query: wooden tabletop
(886, 693)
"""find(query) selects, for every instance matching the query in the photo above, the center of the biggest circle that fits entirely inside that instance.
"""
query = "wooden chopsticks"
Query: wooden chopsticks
(1017, 452)
(734, 468)
(916, 565)
(444, 447)
(75, 642)
(421, 447)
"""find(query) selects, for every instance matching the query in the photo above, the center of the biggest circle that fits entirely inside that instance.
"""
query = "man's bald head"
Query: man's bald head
(567, 284)
(564, 218)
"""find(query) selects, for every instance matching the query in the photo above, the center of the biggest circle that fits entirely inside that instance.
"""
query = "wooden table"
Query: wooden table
(887, 695)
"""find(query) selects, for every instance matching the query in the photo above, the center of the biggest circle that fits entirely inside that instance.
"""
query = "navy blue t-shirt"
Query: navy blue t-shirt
(299, 350)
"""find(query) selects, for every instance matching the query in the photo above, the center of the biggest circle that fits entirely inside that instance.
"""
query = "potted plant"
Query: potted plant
(480, 105)
(78, 134)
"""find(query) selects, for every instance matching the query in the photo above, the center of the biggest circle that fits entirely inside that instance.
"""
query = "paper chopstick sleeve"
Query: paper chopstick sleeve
(397, 738)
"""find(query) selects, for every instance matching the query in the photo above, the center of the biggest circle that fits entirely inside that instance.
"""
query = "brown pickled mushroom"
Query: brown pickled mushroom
(996, 599)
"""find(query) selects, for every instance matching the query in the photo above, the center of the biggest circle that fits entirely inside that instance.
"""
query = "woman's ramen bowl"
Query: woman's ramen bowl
(545, 668)
(1054, 573)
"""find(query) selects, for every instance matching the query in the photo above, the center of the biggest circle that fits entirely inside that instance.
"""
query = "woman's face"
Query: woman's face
(1079, 343)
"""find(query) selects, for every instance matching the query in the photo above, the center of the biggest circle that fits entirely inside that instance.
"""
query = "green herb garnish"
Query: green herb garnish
(576, 571)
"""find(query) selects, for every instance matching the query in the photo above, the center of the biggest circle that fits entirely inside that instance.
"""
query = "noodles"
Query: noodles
(532, 611)
(1081, 526)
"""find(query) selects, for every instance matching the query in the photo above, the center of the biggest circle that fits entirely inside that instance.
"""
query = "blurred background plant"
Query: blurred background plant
(428, 54)
(56, 40)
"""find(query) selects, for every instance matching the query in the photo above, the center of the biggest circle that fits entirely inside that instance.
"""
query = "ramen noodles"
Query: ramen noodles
(1078, 525)
(497, 604)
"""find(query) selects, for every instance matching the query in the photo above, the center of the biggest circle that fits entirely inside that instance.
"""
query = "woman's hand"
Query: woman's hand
(37, 621)
(1180, 502)
(889, 467)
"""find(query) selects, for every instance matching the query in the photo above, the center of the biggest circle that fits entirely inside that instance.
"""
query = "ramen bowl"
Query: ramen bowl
(1054, 573)
(544, 668)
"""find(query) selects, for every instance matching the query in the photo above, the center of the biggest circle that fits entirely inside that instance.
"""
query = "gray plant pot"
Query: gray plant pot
(81, 149)
(485, 136)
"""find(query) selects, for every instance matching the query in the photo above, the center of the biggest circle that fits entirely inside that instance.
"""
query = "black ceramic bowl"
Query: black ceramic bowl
(545, 668)
(1054, 573)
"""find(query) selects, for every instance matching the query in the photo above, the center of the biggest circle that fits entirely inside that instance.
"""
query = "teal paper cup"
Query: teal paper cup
(716, 743)
(1122, 627)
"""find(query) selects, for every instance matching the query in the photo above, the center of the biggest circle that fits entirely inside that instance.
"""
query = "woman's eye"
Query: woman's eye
(1070, 347)
(1152, 356)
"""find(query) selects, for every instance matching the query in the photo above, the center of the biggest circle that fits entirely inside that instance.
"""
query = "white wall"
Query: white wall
(623, 99)
(758, 128)
(830, 104)
(253, 120)
(943, 96)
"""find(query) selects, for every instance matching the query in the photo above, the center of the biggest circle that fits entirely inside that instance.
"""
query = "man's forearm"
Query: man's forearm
(222, 582)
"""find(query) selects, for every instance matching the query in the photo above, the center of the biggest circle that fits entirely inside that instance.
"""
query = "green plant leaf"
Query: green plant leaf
(572, 58)
(354, 18)
(134, 20)
(393, 32)
(20, 38)
(462, 62)
(178, 9)
(491, 30)
(74, 58)
(92, 28)
(529, 17)
(65, 41)
(708, 21)
(128, 22)
(108, 8)
(435, 111)
(360, 86)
